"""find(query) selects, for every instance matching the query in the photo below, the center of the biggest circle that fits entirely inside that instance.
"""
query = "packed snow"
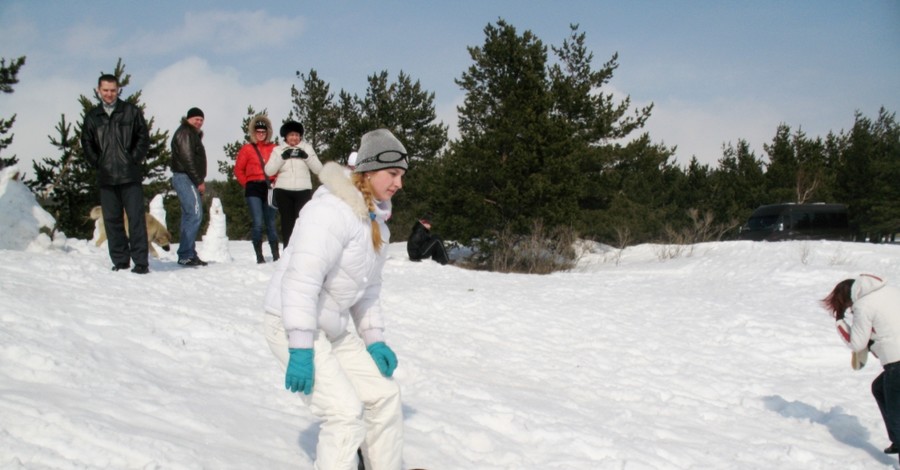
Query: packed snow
(715, 355)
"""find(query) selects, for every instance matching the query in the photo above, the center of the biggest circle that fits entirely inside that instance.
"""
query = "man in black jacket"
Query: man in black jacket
(422, 244)
(115, 140)
(188, 175)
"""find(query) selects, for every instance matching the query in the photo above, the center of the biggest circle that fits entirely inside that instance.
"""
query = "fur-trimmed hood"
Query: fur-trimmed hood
(251, 134)
(336, 180)
(330, 271)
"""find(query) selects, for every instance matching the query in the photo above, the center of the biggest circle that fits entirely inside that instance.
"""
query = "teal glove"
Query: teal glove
(384, 358)
(300, 371)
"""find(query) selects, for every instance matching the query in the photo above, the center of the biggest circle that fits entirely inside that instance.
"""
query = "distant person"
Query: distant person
(188, 176)
(115, 139)
(330, 274)
(249, 169)
(875, 306)
(422, 244)
(291, 163)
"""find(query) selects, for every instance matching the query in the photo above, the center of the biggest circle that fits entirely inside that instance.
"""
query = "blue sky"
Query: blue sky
(716, 71)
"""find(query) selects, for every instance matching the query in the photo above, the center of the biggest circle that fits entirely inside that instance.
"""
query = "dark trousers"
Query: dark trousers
(435, 250)
(289, 205)
(128, 199)
(886, 389)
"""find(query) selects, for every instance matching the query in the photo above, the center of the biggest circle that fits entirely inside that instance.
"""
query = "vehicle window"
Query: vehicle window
(803, 220)
(819, 220)
(762, 222)
(832, 220)
(823, 221)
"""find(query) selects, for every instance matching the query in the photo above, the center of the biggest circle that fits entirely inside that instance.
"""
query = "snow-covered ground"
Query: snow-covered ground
(715, 357)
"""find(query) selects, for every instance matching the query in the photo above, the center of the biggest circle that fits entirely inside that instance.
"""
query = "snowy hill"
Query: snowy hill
(717, 358)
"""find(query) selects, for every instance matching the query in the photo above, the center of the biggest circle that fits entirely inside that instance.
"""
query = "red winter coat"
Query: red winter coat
(247, 167)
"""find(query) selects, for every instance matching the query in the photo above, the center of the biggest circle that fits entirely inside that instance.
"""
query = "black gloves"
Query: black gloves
(294, 153)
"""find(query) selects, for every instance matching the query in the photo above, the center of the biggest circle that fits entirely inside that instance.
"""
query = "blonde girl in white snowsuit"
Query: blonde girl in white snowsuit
(330, 273)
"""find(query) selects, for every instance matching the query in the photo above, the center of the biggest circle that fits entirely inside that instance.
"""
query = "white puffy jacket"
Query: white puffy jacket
(293, 173)
(876, 316)
(330, 270)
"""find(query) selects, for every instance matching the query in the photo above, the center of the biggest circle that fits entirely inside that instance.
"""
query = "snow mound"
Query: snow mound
(21, 217)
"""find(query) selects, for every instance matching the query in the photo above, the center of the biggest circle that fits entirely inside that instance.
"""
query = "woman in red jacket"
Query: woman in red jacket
(249, 171)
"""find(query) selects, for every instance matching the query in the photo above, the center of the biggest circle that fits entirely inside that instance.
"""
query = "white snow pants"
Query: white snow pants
(359, 408)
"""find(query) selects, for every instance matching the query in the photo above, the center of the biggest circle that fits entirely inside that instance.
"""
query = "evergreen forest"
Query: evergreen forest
(544, 151)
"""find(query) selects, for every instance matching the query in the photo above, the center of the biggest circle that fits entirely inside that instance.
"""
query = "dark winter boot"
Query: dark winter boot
(260, 259)
(274, 247)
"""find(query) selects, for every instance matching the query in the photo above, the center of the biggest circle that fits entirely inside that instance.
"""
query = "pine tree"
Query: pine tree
(695, 193)
(868, 173)
(335, 127)
(796, 170)
(811, 173)
(885, 210)
(408, 111)
(534, 136)
(832, 153)
(64, 188)
(494, 175)
(66, 184)
(738, 184)
(8, 77)
(782, 168)
(350, 127)
(594, 117)
(314, 108)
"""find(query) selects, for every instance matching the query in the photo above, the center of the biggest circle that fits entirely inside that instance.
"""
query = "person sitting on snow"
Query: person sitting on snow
(423, 244)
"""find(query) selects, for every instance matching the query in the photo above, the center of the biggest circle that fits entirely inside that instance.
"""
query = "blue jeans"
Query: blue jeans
(259, 210)
(191, 214)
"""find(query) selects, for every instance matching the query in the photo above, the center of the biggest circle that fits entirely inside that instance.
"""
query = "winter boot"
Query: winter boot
(274, 247)
(260, 259)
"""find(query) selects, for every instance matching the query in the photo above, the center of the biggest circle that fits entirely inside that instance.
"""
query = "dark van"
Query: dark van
(798, 222)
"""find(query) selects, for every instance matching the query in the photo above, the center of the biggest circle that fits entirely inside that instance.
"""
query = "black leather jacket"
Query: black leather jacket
(117, 144)
(188, 153)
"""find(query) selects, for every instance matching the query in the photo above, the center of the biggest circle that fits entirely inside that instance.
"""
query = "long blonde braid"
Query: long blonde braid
(365, 187)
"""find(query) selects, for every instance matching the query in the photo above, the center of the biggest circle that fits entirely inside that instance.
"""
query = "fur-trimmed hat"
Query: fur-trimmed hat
(260, 121)
(379, 149)
(291, 126)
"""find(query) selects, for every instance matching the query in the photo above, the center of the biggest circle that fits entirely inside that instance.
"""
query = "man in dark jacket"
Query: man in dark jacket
(115, 140)
(188, 175)
(422, 244)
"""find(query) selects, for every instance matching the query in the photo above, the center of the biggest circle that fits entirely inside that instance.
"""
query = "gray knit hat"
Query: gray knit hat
(379, 149)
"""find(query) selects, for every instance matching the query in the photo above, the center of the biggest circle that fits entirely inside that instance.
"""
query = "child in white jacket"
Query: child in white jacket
(332, 272)
(876, 326)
